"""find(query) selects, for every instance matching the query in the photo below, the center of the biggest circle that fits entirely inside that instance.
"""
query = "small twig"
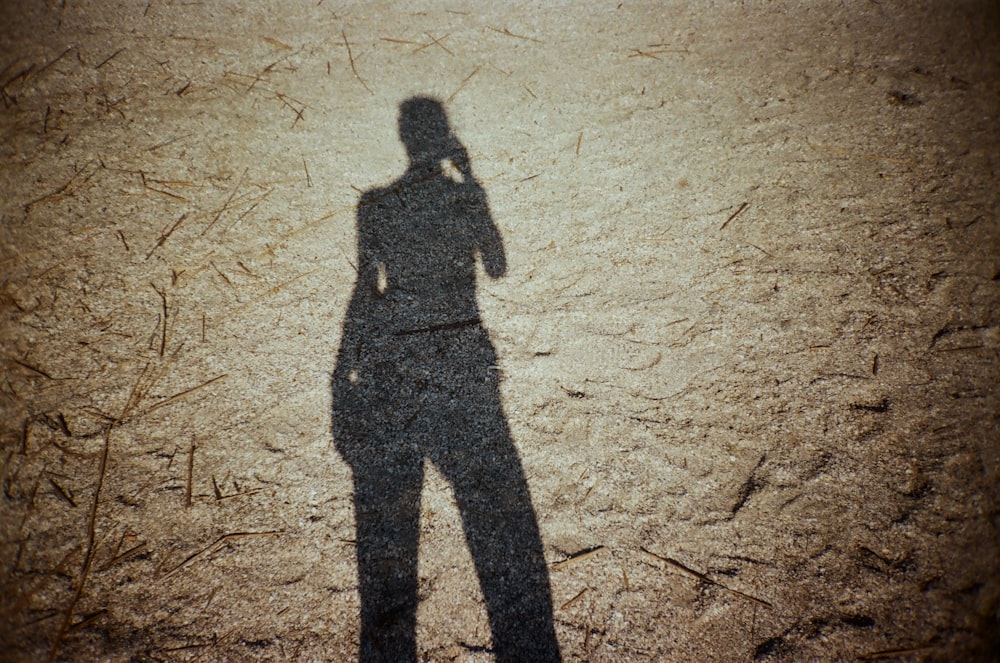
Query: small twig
(190, 559)
(228, 201)
(34, 369)
(131, 552)
(894, 653)
(350, 57)
(281, 285)
(216, 640)
(284, 99)
(219, 272)
(167, 142)
(652, 54)
(691, 573)
(735, 214)
(45, 576)
(64, 187)
(54, 60)
(110, 57)
(134, 396)
(574, 599)
(163, 238)
(89, 558)
(171, 399)
(163, 336)
(402, 41)
(578, 557)
(508, 33)
(190, 479)
(23, 74)
(62, 492)
(87, 620)
(247, 211)
(63, 425)
(437, 42)
(462, 84)
(240, 494)
(274, 42)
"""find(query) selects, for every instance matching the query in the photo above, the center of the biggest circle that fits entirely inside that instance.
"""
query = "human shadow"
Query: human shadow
(416, 380)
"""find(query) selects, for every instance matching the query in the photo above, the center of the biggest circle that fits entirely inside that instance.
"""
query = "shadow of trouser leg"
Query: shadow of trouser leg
(506, 547)
(387, 510)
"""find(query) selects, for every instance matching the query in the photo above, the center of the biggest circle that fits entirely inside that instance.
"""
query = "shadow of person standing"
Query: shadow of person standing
(416, 380)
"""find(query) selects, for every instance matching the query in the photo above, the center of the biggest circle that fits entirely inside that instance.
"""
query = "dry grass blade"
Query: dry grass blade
(462, 84)
(578, 557)
(131, 552)
(350, 57)
(215, 642)
(163, 301)
(27, 595)
(54, 60)
(229, 200)
(575, 598)
(735, 214)
(508, 33)
(86, 621)
(190, 476)
(136, 394)
(110, 58)
(192, 558)
(66, 495)
(65, 187)
(163, 238)
(33, 369)
(89, 557)
(894, 653)
(177, 396)
(691, 573)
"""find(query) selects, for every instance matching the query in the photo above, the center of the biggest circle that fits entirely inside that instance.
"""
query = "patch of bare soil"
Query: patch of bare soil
(727, 370)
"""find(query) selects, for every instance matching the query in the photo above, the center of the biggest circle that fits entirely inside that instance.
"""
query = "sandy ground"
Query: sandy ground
(748, 330)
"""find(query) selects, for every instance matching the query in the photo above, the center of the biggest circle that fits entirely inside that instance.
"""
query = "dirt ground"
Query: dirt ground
(748, 331)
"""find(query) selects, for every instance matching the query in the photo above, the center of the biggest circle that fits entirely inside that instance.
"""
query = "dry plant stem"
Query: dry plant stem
(576, 598)
(171, 399)
(350, 57)
(190, 476)
(691, 573)
(163, 335)
(59, 569)
(735, 214)
(89, 557)
(578, 557)
(462, 84)
(508, 33)
(229, 200)
(214, 545)
(163, 238)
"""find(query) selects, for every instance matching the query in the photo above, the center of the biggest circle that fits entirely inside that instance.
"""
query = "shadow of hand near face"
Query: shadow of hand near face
(416, 380)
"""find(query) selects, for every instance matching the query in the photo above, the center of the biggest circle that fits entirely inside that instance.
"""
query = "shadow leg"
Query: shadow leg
(387, 511)
(502, 531)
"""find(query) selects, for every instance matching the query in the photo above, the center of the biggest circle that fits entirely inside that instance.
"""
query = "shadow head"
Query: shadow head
(424, 130)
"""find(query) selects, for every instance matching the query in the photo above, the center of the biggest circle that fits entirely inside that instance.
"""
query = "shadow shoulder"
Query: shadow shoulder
(372, 196)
